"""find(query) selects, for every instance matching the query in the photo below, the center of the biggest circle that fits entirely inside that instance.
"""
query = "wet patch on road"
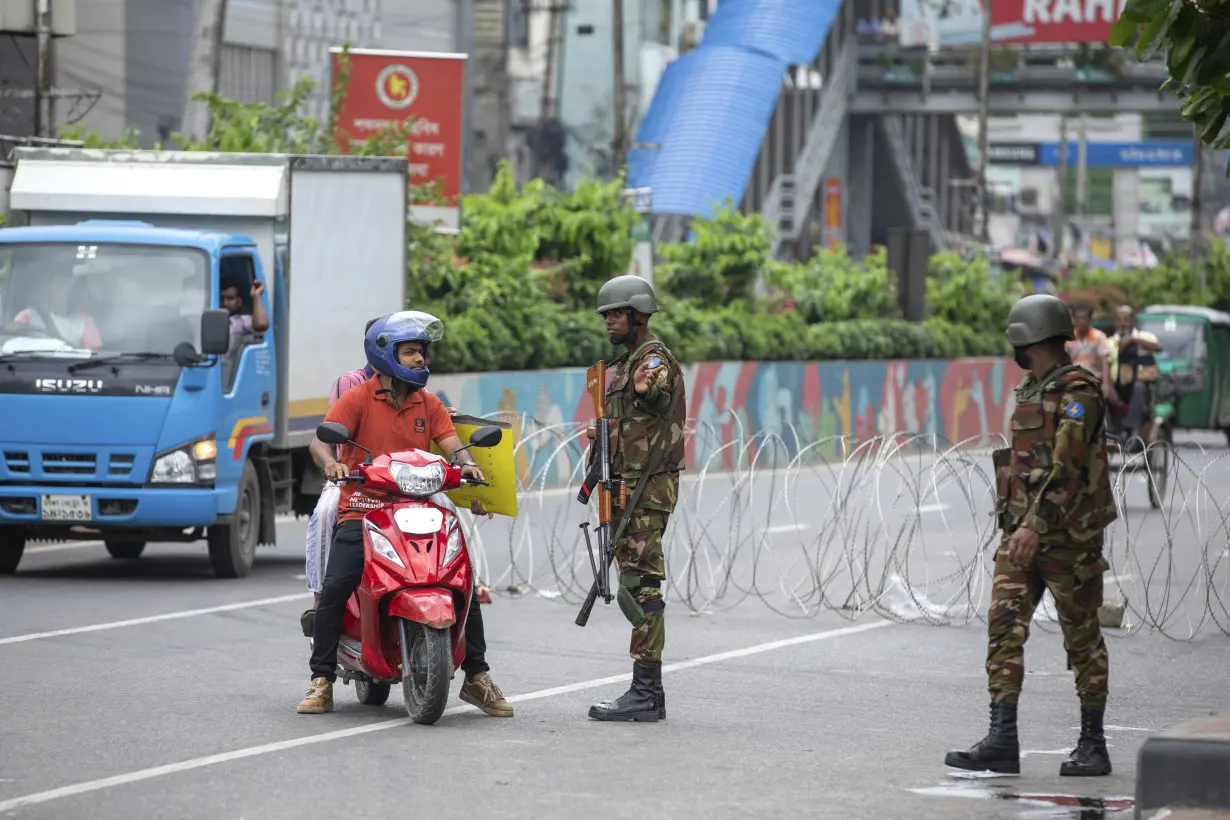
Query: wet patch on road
(1031, 805)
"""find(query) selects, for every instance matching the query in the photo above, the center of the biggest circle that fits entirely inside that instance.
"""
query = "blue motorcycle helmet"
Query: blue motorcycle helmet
(381, 341)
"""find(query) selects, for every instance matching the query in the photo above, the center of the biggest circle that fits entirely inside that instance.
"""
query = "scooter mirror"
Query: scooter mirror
(330, 432)
(486, 437)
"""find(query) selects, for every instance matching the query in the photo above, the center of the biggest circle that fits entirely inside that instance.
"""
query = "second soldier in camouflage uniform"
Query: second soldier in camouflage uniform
(645, 401)
(1055, 501)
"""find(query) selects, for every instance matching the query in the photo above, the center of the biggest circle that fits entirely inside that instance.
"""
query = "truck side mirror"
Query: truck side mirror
(215, 332)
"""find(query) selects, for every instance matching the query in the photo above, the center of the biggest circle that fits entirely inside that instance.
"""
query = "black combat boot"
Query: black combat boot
(1090, 758)
(659, 692)
(640, 702)
(999, 751)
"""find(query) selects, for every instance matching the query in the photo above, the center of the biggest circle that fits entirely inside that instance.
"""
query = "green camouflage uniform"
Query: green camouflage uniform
(636, 421)
(1055, 480)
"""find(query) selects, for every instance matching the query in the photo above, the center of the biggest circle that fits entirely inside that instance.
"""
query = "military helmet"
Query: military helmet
(628, 291)
(1036, 318)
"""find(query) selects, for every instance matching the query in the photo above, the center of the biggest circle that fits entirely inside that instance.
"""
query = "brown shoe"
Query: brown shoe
(482, 692)
(319, 698)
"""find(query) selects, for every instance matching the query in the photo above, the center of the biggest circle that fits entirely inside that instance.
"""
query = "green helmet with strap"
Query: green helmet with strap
(1038, 317)
(628, 291)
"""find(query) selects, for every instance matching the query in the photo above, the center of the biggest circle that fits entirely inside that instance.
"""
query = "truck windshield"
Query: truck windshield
(101, 298)
(1179, 340)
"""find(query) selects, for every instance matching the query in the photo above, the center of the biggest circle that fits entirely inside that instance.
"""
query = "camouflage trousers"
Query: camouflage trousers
(639, 553)
(1074, 577)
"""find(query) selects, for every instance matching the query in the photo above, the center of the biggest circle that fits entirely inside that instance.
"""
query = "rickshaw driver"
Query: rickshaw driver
(1133, 379)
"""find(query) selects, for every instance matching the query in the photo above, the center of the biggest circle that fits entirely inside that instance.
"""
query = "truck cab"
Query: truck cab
(146, 394)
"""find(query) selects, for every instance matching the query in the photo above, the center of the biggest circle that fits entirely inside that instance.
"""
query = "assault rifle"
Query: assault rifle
(599, 479)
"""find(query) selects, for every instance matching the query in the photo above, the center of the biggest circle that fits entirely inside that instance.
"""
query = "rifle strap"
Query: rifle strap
(654, 457)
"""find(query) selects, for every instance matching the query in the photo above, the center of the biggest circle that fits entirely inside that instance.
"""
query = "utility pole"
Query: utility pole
(1082, 170)
(1061, 210)
(619, 146)
(205, 68)
(38, 24)
(43, 126)
(1197, 216)
(547, 105)
(984, 109)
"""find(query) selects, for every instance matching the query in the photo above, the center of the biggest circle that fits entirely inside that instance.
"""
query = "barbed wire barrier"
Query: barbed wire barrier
(901, 525)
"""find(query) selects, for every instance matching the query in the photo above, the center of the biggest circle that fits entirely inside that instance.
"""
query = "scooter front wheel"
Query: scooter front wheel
(427, 668)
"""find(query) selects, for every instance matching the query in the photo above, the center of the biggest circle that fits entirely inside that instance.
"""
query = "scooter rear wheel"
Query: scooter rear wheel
(427, 670)
(371, 693)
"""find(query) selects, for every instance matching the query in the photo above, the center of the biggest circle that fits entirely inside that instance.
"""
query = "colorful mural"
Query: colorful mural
(739, 406)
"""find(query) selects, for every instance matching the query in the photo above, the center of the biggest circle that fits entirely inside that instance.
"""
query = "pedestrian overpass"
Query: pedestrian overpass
(833, 136)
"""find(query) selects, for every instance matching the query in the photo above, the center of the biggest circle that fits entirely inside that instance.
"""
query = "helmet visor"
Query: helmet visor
(413, 325)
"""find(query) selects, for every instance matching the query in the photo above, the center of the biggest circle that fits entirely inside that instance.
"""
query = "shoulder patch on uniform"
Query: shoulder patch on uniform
(1074, 410)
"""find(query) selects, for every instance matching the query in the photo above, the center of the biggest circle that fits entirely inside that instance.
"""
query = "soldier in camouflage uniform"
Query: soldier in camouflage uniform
(1054, 502)
(645, 401)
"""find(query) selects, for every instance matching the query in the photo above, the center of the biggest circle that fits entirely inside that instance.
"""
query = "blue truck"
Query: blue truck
(137, 403)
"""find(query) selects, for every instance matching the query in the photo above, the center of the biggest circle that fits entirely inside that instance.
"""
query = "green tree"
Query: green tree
(721, 263)
(1195, 39)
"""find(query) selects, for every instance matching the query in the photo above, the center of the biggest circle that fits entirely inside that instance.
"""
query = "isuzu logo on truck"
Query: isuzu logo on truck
(69, 385)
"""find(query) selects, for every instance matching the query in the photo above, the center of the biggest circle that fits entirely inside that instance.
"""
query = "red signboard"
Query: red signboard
(390, 86)
(1053, 21)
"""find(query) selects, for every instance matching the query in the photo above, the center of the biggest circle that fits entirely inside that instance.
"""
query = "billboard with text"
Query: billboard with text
(388, 87)
(959, 22)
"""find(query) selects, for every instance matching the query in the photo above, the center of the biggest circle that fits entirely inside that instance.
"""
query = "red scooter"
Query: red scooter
(406, 621)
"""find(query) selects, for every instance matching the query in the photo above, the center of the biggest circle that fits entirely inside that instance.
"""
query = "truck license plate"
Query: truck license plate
(67, 508)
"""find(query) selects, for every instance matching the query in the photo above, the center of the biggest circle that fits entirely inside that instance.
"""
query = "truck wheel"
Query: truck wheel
(12, 545)
(128, 550)
(232, 546)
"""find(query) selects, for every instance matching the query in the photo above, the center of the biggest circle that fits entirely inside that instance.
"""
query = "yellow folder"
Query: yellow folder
(495, 462)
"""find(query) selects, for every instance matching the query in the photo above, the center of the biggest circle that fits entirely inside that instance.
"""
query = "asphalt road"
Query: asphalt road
(808, 711)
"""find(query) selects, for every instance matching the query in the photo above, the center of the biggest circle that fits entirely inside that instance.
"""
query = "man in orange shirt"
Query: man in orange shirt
(385, 414)
(1090, 349)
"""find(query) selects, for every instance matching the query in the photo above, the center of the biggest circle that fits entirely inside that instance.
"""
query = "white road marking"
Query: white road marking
(931, 508)
(787, 528)
(168, 616)
(311, 740)
(1027, 752)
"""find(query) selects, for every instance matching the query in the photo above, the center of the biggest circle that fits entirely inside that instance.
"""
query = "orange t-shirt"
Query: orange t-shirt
(1089, 350)
(376, 423)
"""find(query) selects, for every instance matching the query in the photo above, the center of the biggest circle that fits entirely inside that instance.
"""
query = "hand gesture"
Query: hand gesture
(644, 374)
(258, 287)
(336, 471)
(472, 471)
(1023, 547)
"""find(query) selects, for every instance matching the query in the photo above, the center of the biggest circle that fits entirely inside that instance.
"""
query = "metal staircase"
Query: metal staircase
(920, 199)
(788, 202)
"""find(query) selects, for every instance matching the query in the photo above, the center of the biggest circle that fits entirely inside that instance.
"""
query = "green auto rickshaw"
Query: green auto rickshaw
(1193, 391)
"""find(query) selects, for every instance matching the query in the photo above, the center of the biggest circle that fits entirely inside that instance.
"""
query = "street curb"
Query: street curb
(1185, 767)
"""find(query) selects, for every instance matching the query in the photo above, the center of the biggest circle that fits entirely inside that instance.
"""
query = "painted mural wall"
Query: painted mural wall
(738, 407)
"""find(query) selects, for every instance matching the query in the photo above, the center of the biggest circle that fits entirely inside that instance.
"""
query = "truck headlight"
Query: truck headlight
(195, 462)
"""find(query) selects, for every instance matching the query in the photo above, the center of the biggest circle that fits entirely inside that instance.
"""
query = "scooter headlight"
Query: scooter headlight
(454, 539)
(382, 547)
(417, 481)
